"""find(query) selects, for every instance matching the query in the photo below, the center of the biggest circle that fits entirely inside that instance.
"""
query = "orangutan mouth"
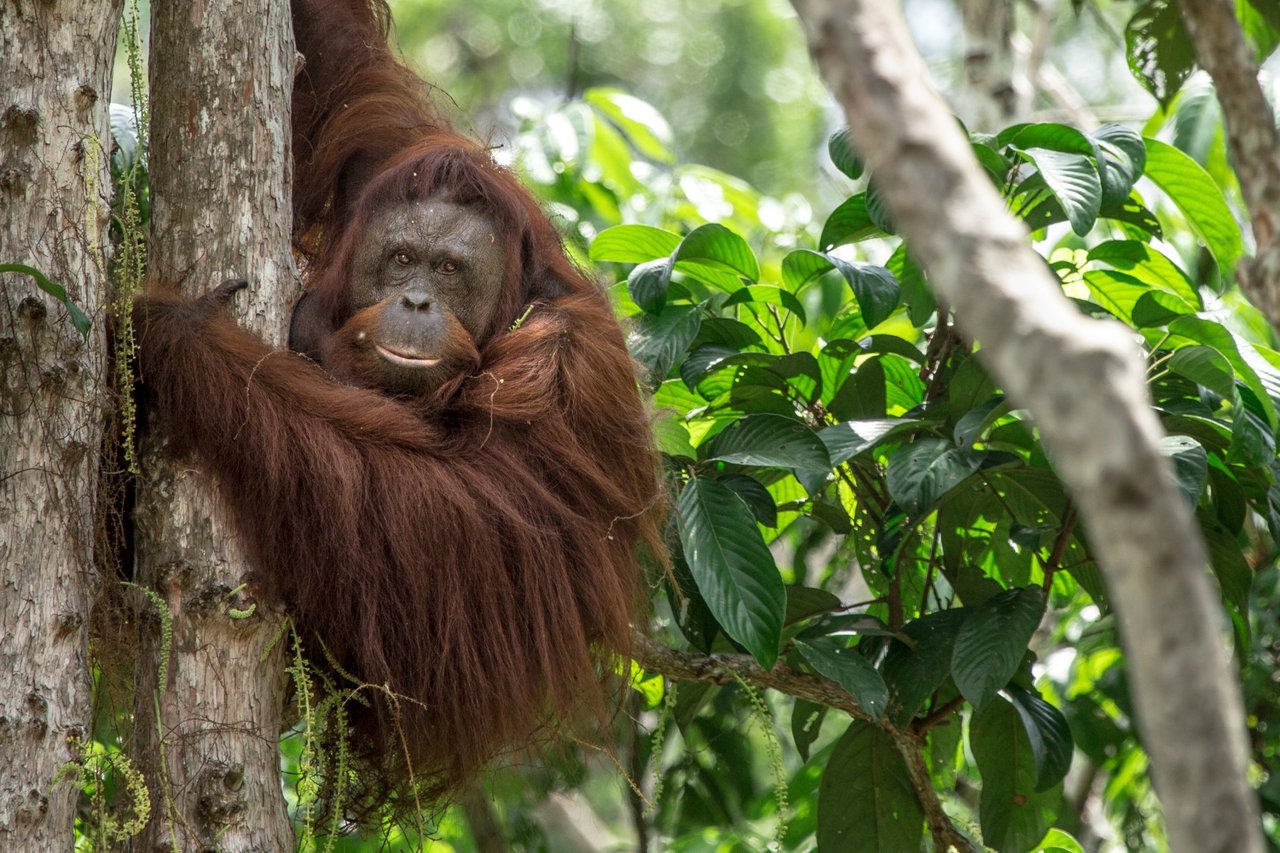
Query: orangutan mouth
(406, 359)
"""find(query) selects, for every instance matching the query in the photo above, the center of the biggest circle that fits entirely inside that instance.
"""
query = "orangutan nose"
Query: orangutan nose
(417, 299)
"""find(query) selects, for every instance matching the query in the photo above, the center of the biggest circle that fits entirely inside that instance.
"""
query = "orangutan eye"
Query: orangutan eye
(402, 258)
(448, 266)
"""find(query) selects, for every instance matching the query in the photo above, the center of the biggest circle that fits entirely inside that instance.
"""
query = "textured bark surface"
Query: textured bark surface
(221, 74)
(1222, 50)
(55, 68)
(990, 95)
(1083, 382)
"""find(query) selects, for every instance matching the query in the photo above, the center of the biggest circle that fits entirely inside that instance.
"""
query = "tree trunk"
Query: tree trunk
(207, 738)
(991, 94)
(55, 61)
(1254, 141)
(1084, 383)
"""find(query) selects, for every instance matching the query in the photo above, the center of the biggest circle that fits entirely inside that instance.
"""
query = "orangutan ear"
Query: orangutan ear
(308, 329)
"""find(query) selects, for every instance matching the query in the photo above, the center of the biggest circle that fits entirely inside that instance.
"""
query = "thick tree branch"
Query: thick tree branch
(1222, 50)
(1083, 383)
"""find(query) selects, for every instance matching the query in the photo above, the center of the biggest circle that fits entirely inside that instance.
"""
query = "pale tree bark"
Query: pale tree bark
(1083, 382)
(1222, 50)
(221, 77)
(55, 64)
(991, 93)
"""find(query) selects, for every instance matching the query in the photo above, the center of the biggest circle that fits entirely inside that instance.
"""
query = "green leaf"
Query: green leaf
(715, 246)
(1205, 366)
(647, 284)
(1122, 157)
(915, 291)
(672, 437)
(862, 396)
(658, 340)
(1159, 49)
(840, 148)
(1057, 841)
(913, 673)
(1190, 464)
(866, 801)
(633, 244)
(1216, 335)
(993, 641)
(832, 658)
(1148, 265)
(1074, 181)
(79, 319)
(848, 223)
(846, 440)
(758, 499)
(773, 441)
(874, 287)
(1013, 815)
(1050, 736)
(806, 725)
(1199, 198)
(921, 473)
(732, 567)
(1047, 135)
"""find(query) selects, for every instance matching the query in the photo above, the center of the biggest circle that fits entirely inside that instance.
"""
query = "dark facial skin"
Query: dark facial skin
(426, 281)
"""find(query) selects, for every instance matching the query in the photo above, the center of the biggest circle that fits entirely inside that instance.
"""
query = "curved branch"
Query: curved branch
(1083, 382)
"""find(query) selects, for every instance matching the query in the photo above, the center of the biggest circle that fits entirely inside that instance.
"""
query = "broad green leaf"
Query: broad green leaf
(658, 340)
(832, 658)
(1205, 366)
(916, 295)
(1199, 198)
(1121, 160)
(848, 223)
(1148, 265)
(647, 284)
(1228, 561)
(633, 244)
(672, 437)
(1159, 49)
(761, 503)
(1013, 815)
(874, 287)
(805, 602)
(79, 319)
(1048, 732)
(715, 246)
(1190, 464)
(1074, 180)
(866, 801)
(993, 641)
(921, 473)
(914, 673)
(770, 441)
(863, 395)
(732, 567)
(1047, 135)
(1159, 308)
(1115, 291)
(846, 440)
(769, 295)
(840, 147)
(1216, 335)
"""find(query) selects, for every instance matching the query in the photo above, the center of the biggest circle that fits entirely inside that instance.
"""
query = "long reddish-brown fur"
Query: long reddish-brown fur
(474, 551)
